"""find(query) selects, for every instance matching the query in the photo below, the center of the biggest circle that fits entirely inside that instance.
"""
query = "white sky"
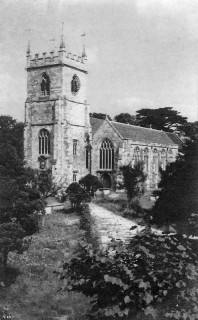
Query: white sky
(142, 53)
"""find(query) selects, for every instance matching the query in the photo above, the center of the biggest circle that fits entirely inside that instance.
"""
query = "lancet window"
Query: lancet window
(163, 159)
(44, 142)
(145, 159)
(137, 156)
(107, 155)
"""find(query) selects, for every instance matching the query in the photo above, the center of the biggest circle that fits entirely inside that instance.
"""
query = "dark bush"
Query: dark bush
(91, 184)
(77, 195)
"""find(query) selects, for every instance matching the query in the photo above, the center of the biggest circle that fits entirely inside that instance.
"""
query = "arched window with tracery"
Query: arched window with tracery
(44, 141)
(45, 84)
(155, 160)
(107, 155)
(163, 159)
(145, 159)
(137, 155)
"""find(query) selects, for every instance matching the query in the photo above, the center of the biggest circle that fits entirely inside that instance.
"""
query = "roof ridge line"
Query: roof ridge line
(133, 125)
(118, 133)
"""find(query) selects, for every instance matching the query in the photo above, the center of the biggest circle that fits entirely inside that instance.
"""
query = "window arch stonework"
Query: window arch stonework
(163, 159)
(146, 159)
(106, 155)
(137, 155)
(44, 142)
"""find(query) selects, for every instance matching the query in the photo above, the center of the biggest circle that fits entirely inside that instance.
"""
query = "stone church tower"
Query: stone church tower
(57, 126)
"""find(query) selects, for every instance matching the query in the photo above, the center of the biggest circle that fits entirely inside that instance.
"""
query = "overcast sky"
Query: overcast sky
(141, 53)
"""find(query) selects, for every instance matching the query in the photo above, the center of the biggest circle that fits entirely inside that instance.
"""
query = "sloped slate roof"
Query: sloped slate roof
(135, 133)
(95, 123)
(142, 134)
(175, 139)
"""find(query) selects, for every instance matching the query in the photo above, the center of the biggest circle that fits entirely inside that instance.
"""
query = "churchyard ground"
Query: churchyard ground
(30, 290)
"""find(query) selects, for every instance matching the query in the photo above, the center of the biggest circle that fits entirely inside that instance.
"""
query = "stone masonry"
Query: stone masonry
(60, 135)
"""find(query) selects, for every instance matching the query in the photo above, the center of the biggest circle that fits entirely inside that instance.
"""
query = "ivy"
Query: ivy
(123, 278)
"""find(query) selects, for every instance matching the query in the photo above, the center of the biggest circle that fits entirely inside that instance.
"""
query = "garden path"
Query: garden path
(109, 225)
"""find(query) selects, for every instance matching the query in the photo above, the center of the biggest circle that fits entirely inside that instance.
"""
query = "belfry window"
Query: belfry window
(44, 142)
(74, 176)
(75, 143)
(45, 84)
(107, 155)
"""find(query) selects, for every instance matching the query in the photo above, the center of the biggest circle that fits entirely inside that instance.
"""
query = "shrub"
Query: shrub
(123, 279)
(133, 180)
(77, 195)
(91, 184)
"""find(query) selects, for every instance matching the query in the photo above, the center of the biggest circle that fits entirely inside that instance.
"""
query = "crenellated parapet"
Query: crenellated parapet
(61, 57)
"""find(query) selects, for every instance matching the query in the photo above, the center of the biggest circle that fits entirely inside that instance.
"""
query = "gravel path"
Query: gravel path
(111, 226)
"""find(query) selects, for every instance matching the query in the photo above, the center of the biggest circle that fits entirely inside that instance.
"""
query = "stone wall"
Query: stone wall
(126, 152)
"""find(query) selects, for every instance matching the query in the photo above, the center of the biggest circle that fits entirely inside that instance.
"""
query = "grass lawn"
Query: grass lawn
(31, 286)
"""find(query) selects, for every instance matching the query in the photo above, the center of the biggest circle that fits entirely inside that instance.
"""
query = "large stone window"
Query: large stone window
(44, 142)
(45, 84)
(107, 155)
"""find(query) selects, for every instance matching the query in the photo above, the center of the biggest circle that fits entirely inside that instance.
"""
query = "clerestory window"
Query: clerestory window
(107, 155)
(44, 142)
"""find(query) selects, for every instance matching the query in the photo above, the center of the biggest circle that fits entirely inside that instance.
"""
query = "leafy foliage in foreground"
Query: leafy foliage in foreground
(124, 279)
(4, 313)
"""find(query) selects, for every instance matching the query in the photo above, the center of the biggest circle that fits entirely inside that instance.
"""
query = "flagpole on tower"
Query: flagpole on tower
(83, 52)
(62, 43)
(29, 30)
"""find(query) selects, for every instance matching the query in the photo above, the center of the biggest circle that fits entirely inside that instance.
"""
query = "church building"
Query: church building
(60, 135)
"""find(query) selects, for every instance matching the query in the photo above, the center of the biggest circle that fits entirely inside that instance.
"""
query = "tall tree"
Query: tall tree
(125, 118)
(165, 119)
(133, 180)
(191, 130)
(19, 211)
(12, 133)
(178, 188)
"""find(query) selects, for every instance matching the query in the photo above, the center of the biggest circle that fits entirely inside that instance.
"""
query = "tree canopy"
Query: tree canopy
(19, 209)
(165, 119)
(133, 180)
(12, 133)
(125, 118)
(178, 188)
